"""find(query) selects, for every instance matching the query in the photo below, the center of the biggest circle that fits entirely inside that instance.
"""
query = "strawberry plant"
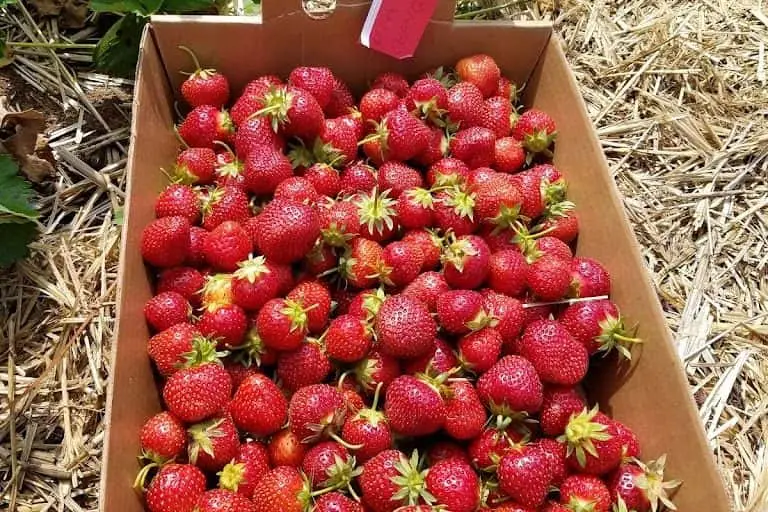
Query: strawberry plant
(18, 226)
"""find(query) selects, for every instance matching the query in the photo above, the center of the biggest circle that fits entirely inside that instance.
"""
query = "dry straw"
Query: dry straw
(678, 94)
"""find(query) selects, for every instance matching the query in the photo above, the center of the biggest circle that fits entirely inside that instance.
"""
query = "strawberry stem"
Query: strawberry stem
(194, 57)
(345, 444)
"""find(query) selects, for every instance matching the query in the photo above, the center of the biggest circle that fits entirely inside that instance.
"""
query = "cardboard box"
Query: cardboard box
(652, 396)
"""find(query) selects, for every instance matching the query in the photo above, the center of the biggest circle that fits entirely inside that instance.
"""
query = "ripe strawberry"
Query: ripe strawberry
(227, 245)
(598, 326)
(414, 208)
(641, 486)
(440, 359)
(359, 265)
(479, 350)
(240, 368)
(552, 506)
(391, 81)
(255, 282)
(293, 112)
(506, 89)
(593, 444)
(534, 248)
(461, 311)
(480, 70)
(258, 406)
(482, 175)
(306, 365)
(165, 241)
(404, 327)
(427, 287)
(357, 177)
(498, 202)
(509, 155)
(465, 105)
(455, 485)
(163, 438)
(511, 385)
(557, 357)
(223, 204)
(185, 281)
(525, 475)
(454, 210)
(400, 136)
(560, 221)
(488, 448)
(285, 449)
(556, 454)
(204, 86)
(168, 348)
(465, 262)
(464, 412)
(541, 186)
(447, 172)
(427, 98)
(198, 391)
(400, 264)
(167, 309)
(223, 500)
(507, 272)
(415, 406)
(329, 465)
(195, 256)
(324, 178)
(351, 394)
(175, 488)
(429, 243)
(315, 298)
(319, 82)
(283, 489)
(204, 126)
(560, 403)
(376, 368)
(348, 339)
(436, 150)
(496, 116)
(589, 278)
(195, 166)
(475, 146)
(264, 169)
(229, 171)
(397, 177)
(506, 313)
(376, 103)
(341, 100)
(337, 144)
(535, 129)
(336, 502)
(178, 200)
(378, 218)
(444, 450)
(391, 480)
(366, 304)
(213, 443)
(585, 492)
(339, 222)
(548, 278)
(629, 441)
(226, 324)
(288, 230)
(316, 412)
(282, 324)
(321, 259)
(368, 429)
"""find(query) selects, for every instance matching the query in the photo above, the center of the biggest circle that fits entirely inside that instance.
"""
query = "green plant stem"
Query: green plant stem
(53, 46)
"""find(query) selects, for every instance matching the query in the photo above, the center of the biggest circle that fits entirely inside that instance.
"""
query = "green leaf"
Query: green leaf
(118, 50)
(15, 239)
(139, 7)
(175, 6)
(118, 217)
(6, 3)
(15, 193)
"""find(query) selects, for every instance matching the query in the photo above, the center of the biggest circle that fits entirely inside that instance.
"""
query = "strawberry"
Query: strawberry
(213, 443)
(175, 488)
(496, 116)
(223, 500)
(640, 486)
(455, 485)
(256, 132)
(255, 282)
(430, 244)
(341, 100)
(585, 492)
(366, 304)
(306, 365)
(447, 172)
(475, 146)
(357, 177)
(557, 357)
(404, 327)
(498, 239)
(534, 248)
(315, 298)
(397, 177)
(427, 287)
(258, 406)
(285, 449)
(178, 200)
(414, 208)
(400, 264)
(239, 369)
(204, 86)
(560, 221)
(465, 262)
(461, 311)
(347, 339)
(480, 70)
(376, 103)
(329, 465)
(226, 324)
(339, 222)
(440, 359)
(548, 278)
(436, 150)
(400, 136)
(506, 89)
(507, 272)
(195, 256)
(559, 404)
(629, 441)
(378, 218)
(508, 155)
(163, 438)
(195, 166)
(479, 350)
(481, 175)
(264, 169)
(598, 326)
(465, 105)
(167, 309)
(223, 204)
(250, 102)
(288, 230)
(185, 281)
(525, 475)
(229, 171)
(359, 264)
(165, 241)
(376, 368)
(593, 444)
(415, 406)
(589, 278)
(391, 81)
(217, 291)
(511, 385)
(506, 313)
(351, 394)
(320, 260)
(227, 245)
(464, 412)
(283, 489)
(319, 82)
(540, 188)
(488, 447)
(556, 453)
(454, 210)
(168, 348)
(204, 126)
(282, 324)
(368, 430)
(391, 480)
(444, 450)
(497, 202)
(293, 112)
(337, 144)
(316, 411)
(552, 506)
(536, 130)
(427, 98)
(336, 502)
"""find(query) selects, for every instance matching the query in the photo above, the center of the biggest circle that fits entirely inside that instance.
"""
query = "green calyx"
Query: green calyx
(421, 197)
(211, 199)
(252, 269)
(411, 484)
(539, 142)
(376, 211)
(250, 351)
(372, 303)
(336, 235)
(277, 102)
(652, 482)
(231, 476)
(296, 313)
(553, 193)
(462, 202)
(580, 434)
(507, 218)
(457, 252)
(614, 335)
(203, 351)
(526, 241)
(371, 414)
(201, 436)
(301, 156)
(231, 169)
(216, 292)
(557, 209)
(342, 473)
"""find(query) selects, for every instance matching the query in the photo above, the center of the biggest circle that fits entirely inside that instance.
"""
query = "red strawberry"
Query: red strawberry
(480, 70)
(548, 278)
(436, 149)
(204, 86)
(560, 221)
(175, 488)
(496, 116)
(366, 304)
(507, 273)
(464, 412)
(255, 282)
(359, 265)
(475, 146)
(283, 489)
(282, 324)
(329, 465)
(511, 385)
(391, 480)
(316, 412)
(294, 112)
(478, 351)
(487, 449)
(440, 359)
(447, 172)
(163, 438)
(337, 144)
(324, 178)
(535, 248)
(427, 287)
(454, 210)
(498, 202)
(481, 175)
(535, 129)
(506, 313)
(229, 171)
(397, 177)
(319, 82)
(557, 357)
(461, 311)
(429, 243)
(178, 200)
(368, 429)
(400, 264)
(226, 324)
(378, 218)
(321, 259)
(525, 475)
(195, 256)
(165, 242)
(168, 348)
(347, 339)
(506, 89)
(560, 403)
(556, 453)
(428, 98)
(341, 100)
(227, 245)
(258, 406)
(195, 166)
(239, 369)
(444, 450)
(541, 186)
(415, 406)
(594, 446)
(465, 105)
(204, 126)
(404, 327)
(264, 169)
(357, 177)
(223, 204)
(199, 391)
(339, 222)
(256, 133)
(306, 365)
(641, 486)
(351, 394)
(185, 281)
(376, 368)
(213, 443)
(585, 492)
(589, 278)
(391, 81)
(376, 103)
(466, 262)
(315, 298)
(598, 326)
(629, 441)
(223, 500)
(455, 485)
(509, 155)
(400, 136)
(167, 309)
(285, 449)
(288, 230)
(552, 506)
(414, 208)
(336, 502)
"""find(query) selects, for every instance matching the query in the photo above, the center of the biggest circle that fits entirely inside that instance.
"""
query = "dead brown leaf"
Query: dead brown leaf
(73, 14)
(25, 142)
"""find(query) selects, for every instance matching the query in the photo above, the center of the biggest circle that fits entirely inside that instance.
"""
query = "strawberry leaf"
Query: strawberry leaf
(15, 239)
(118, 50)
(138, 7)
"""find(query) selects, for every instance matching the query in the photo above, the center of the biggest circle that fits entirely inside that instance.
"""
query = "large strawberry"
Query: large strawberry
(560, 403)
(227, 245)
(282, 324)
(256, 132)
(511, 385)
(316, 412)
(594, 445)
(399, 136)
(391, 480)
(285, 449)
(204, 126)
(497, 202)
(415, 406)
(223, 500)
(264, 169)
(259, 406)
(213, 443)
(255, 282)
(480, 70)
(293, 112)
(244, 471)
(287, 230)
(548, 278)
(497, 117)
(400, 264)
(368, 430)
(348, 339)
(585, 492)
(641, 487)
(163, 438)
(475, 146)
(318, 81)
(598, 326)
(178, 200)
(283, 489)
(455, 485)
(525, 475)
(427, 287)
(175, 488)
(195, 166)
(557, 357)
(466, 262)
(225, 203)
(464, 412)
(508, 155)
(536, 130)
(165, 241)
(404, 327)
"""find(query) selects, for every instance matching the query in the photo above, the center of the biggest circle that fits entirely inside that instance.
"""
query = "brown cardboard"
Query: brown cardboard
(652, 396)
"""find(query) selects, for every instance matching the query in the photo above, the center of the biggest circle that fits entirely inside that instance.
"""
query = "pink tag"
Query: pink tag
(395, 27)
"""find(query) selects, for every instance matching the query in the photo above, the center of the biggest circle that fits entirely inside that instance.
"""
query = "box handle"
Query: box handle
(274, 9)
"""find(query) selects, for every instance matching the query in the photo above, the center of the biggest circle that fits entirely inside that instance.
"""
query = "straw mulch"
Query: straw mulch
(678, 94)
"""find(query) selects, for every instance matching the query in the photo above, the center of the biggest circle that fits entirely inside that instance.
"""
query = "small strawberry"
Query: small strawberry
(465, 415)
(185, 281)
(306, 365)
(414, 208)
(455, 211)
(511, 385)
(255, 282)
(509, 155)
(163, 438)
(315, 298)
(366, 304)
(629, 441)
(461, 311)
(391, 480)
(175, 488)
(316, 412)
(429, 243)
(165, 242)
(404, 327)
(415, 405)
(227, 245)
(336, 502)
(593, 444)
(195, 166)
(399, 136)
(391, 81)
(258, 406)
(496, 116)
(341, 100)
(283, 489)
(525, 475)
(213, 443)
(400, 264)
(465, 262)
(479, 350)
(178, 200)
(376, 368)
(560, 403)
(444, 450)
(223, 500)
(223, 204)
(557, 357)
(465, 105)
(255, 132)
(226, 324)
(293, 112)
(169, 347)
(598, 326)
(548, 278)
(585, 492)
(506, 313)
(534, 247)
(204, 126)
(480, 70)
(475, 146)
(339, 222)
(536, 130)
(589, 278)
(204, 86)
(440, 359)
(641, 486)
(329, 465)
(427, 287)
(285, 449)
(455, 485)
(282, 324)
(288, 230)
(167, 309)
(447, 172)
(318, 81)
(348, 339)
(368, 430)
(506, 89)
(359, 265)
(436, 150)
(357, 177)
(376, 103)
